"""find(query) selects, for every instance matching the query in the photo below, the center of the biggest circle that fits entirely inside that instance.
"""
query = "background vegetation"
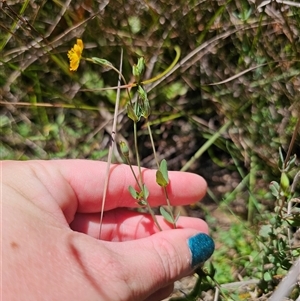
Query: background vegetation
(225, 111)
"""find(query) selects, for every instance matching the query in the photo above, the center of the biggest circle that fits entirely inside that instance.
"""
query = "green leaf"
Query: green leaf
(167, 216)
(265, 231)
(160, 180)
(267, 276)
(102, 62)
(133, 192)
(274, 187)
(131, 113)
(142, 93)
(164, 170)
(135, 24)
(141, 65)
(281, 158)
(137, 70)
(124, 149)
(296, 252)
(143, 102)
(145, 192)
(284, 182)
(291, 162)
(145, 109)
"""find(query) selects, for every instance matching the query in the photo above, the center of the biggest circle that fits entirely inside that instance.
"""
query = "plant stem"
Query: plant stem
(157, 163)
(152, 142)
(135, 177)
(153, 216)
(169, 206)
(141, 183)
(137, 153)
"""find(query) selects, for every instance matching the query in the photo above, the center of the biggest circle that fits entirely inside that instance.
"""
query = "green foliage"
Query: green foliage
(278, 252)
(238, 254)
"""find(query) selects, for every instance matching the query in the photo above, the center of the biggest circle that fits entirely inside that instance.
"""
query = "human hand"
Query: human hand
(50, 222)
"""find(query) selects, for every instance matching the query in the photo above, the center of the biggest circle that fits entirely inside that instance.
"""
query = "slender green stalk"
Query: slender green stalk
(169, 206)
(141, 187)
(153, 216)
(141, 183)
(135, 177)
(137, 152)
(152, 142)
(50, 105)
(157, 163)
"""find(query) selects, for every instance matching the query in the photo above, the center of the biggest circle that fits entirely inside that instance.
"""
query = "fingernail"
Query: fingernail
(202, 246)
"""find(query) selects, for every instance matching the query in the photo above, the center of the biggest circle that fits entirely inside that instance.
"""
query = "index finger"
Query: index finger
(87, 180)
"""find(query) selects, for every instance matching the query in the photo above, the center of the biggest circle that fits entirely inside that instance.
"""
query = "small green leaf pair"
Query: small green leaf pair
(162, 179)
(140, 197)
(168, 216)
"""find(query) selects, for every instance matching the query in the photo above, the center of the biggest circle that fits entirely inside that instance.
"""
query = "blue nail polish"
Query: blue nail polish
(202, 246)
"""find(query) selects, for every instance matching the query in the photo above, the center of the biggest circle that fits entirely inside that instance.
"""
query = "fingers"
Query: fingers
(83, 267)
(77, 185)
(155, 262)
(123, 225)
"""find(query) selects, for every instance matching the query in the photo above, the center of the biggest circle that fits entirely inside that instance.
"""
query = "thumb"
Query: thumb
(153, 263)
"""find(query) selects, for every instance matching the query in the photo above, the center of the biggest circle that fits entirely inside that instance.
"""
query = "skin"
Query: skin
(50, 228)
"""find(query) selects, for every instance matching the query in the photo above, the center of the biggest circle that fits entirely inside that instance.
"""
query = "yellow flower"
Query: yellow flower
(74, 55)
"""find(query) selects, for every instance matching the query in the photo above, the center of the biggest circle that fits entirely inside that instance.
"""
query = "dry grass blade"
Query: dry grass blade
(111, 148)
(237, 75)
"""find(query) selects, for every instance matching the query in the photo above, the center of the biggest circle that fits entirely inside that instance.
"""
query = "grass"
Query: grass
(230, 104)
